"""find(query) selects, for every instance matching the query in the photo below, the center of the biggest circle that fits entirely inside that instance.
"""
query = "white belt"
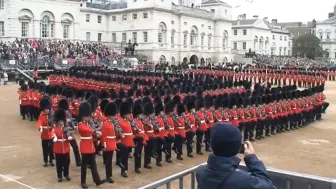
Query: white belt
(171, 129)
(202, 122)
(161, 129)
(111, 137)
(86, 138)
(150, 131)
(192, 125)
(219, 120)
(141, 132)
(61, 140)
(227, 120)
(45, 127)
(294, 108)
(211, 121)
(180, 128)
(128, 134)
(235, 118)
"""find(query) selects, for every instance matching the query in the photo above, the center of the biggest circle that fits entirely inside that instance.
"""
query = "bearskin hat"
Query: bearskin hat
(124, 109)
(180, 109)
(53, 90)
(113, 94)
(166, 100)
(177, 99)
(60, 115)
(45, 103)
(79, 94)
(218, 102)
(67, 92)
(130, 102)
(31, 85)
(157, 99)
(87, 95)
(208, 101)
(103, 104)
(269, 98)
(24, 87)
(146, 100)
(21, 82)
(122, 94)
(118, 102)
(148, 109)
(138, 93)
(104, 94)
(169, 107)
(42, 87)
(93, 100)
(137, 109)
(63, 104)
(159, 108)
(226, 103)
(84, 110)
(190, 105)
(199, 103)
(110, 109)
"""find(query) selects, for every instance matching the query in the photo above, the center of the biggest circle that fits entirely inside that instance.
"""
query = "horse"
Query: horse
(127, 49)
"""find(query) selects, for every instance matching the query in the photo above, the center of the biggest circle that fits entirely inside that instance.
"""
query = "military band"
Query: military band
(155, 115)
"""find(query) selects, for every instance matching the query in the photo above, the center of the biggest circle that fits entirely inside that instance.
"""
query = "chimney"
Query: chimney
(244, 17)
(266, 19)
(256, 16)
(274, 21)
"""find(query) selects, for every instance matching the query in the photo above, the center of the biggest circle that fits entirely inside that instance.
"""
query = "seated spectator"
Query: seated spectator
(221, 169)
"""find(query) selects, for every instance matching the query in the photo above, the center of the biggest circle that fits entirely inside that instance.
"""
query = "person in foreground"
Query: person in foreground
(221, 169)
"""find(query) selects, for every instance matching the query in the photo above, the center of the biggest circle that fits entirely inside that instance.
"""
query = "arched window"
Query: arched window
(193, 37)
(162, 34)
(328, 33)
(225, 39)
(255, 43)
(45, 30)
(321, 34)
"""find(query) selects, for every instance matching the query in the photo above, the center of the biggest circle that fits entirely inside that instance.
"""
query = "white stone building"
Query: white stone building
(163, 30)
(260, 36)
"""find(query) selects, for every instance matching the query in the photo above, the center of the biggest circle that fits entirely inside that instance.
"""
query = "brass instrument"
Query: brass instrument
(117, 127)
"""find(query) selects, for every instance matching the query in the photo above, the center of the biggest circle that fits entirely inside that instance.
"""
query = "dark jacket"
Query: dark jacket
(210, 176)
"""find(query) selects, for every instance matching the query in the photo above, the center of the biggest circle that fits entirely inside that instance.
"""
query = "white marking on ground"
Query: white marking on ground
(12, 178)
(315, 141)
(3, 99)
(6, 147)
(320, 141)
(308, 142)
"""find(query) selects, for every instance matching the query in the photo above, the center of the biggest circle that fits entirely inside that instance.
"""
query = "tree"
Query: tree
(307, 45)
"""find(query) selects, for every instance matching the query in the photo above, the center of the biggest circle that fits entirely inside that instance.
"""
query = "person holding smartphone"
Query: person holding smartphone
(221, 169)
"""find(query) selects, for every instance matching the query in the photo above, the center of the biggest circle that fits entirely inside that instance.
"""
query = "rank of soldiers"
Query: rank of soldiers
(156, 116)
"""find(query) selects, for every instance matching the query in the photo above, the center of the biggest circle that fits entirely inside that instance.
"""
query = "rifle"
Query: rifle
(197, 118)
(223, 115)
(95, 124)
(146, 123)
(216, 119)
(175, 119)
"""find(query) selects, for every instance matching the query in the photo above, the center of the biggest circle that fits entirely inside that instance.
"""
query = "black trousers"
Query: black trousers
(31, 112)
(178, 144)
(249, 130)
(122, 156)
(189, 141)
(325, 106)
(107, 156)
(159, 149)
(168, 146)
(138, 141)
(24, 111)
(62, 165)
(47, 150)
(75, 150)
(199, 139)
(207, 139)
(89, 159)
(150, 150)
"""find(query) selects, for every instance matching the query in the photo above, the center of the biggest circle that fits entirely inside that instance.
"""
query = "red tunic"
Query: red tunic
(211, 118)
(126, 128)
(161, 132)
(192, 121)
(24, 99)
(203, 126)
(234, 118)
(141, 132)
(108, 137)
(42, 123)
(180, 127)
(86, 145)
(62, 145)
(171, 130)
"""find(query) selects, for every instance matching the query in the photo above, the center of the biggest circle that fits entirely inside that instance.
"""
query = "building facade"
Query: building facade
(260, 36)
(163, 31)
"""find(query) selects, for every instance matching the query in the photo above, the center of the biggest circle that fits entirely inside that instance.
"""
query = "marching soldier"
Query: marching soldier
(180, 129)
(169, 125)
(45, 127)
(24, 101)
(190, 126)
(87, 149)
(151, 147)
(209, 117)
(201, 125)
(109, 139)
(61, 146)
(160, 132)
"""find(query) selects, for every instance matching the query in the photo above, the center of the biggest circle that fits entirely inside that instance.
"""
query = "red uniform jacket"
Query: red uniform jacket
(234, 118)
(203, 126)
(269, 111)
(226, 117)
(127, 132)
(161, 132)
(180, 127)
(36, 99)
(192, 121)
(24, 99)
(62, 145)
(171, 124)
(42, 123)
(211, 118)
(54, 103)
(86, 145)
(219, 116)
(108, 137)
(141, 132)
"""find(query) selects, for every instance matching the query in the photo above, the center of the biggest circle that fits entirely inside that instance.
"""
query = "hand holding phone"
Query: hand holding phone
(248, 148)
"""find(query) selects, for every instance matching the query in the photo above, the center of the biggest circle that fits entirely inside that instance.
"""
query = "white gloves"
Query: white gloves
(70, 138)
(40, 129)
(55, 139)
(105, 145)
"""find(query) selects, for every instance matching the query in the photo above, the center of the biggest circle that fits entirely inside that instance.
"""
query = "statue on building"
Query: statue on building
(130, 48)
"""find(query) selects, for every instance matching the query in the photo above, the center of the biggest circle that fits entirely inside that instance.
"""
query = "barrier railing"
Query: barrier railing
(281, 180)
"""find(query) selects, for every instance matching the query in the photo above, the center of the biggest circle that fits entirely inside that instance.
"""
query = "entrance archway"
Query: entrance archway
(162, 59)
(173, 61)
(185, 60)
(194, 60)
(202, 61)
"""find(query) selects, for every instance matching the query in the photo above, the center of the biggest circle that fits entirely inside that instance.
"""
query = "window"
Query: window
(209, 27)
(114, 37)
(202, 41)
(88, 36)
(235, 32)
(185, 40)
(45, 27)
(244, 32)
(244, 45)
(135, 0)
(124, 37)
(172, 39)
(135, 37)
(280, 38)
(172, 22)
(66, 31)
(273, 37)
(2, 4)
(202, 25)
(135, 16)
(145, 15)
(99, 18)
(52, 30)
(328, 35)
(289, 43)
(99, 37)
(298, 34)
(225, 11)
(235, 45)
(24, 29)
(124, 17)
(185, 23)
(2, 29)
(87, 16)
(285, 38)
(114, 18)
(209, 42)
(212, 10)
(145, 36)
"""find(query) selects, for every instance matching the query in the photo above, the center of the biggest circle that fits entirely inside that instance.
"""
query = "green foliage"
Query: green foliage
(307, 45)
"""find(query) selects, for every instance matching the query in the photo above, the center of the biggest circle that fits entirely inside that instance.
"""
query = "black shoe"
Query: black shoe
(190, 155)
(148, 167)
(68, 178)
(101, 182)
(84, 186)
(110, 180)
(200, 153)
(45, 165)
(273, 133)
(154, 156)
(52, 164)
(78, 164)
(124, 174)
(137, 171)
(208, 150)
(130, 156)
(169, 161)
(159, 164)
(252, 139)
(179, 158)
(59, 179)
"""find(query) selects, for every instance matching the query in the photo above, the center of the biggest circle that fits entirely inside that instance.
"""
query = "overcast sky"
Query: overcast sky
(284, 10)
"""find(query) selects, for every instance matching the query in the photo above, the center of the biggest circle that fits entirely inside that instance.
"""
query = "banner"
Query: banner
(12, 62)
(64, 61)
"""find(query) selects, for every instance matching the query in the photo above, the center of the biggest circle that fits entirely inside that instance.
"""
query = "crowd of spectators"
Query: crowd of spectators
(55, 49)
(290, 61)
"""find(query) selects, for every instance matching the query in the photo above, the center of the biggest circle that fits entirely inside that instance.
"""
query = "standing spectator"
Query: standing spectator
(5, 77)
(35, 73)
(1, 77)
(221, 170)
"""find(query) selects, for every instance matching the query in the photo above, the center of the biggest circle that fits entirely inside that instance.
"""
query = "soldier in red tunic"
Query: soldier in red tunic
(24, 101)
(109, 138)
(44, 124)
(87, 149)
(169, 125)
(208, 115)
(190, 126)
(161, 133)
(201, 124)
(180, 129)
(61, 146)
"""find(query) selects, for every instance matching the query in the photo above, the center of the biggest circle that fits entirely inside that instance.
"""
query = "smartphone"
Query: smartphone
(242, 148)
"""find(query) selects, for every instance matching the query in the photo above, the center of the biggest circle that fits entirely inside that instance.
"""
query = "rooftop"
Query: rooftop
(244, 22)
(330, 20)
(214, 1)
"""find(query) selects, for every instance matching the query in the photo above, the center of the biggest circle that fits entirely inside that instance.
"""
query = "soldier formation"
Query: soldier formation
(157, 113)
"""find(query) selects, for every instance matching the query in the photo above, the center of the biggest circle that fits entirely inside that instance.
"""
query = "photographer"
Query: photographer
(221, 169)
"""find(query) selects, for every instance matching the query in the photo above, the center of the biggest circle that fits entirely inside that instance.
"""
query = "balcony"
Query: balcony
(196, 12)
